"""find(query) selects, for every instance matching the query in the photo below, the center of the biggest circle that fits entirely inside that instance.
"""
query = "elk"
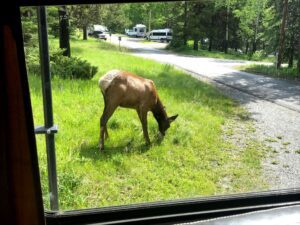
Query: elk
(124, 89)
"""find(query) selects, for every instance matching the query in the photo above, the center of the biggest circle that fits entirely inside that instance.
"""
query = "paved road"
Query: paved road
(274, 105)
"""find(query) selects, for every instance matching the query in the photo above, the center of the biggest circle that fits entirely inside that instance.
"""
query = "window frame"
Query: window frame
(175, 211)
(182, 210)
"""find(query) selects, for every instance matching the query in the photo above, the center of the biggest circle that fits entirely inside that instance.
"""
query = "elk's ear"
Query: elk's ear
(172, 118)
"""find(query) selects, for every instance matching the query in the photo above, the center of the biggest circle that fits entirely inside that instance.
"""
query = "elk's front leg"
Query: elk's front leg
(143, 117)
(102, 130)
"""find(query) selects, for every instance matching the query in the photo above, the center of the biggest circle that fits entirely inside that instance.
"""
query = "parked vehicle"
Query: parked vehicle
(98, 31)
(138, 30)
(160, 35)
(101, 35)
(130, 32)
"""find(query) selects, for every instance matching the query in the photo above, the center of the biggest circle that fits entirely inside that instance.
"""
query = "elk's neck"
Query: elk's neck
(159, 112)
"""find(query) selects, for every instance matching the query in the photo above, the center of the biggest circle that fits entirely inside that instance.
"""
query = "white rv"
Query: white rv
(160, 35)
(138, 31)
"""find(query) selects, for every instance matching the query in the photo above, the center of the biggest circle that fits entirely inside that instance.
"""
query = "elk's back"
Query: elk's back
(106, 79)
(128, 90)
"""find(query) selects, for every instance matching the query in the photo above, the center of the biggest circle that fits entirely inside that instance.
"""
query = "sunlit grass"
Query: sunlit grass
(271, 70)
(232, 54)
(191, 161)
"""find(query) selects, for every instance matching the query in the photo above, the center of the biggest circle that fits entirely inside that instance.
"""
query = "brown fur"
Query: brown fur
(120, 88)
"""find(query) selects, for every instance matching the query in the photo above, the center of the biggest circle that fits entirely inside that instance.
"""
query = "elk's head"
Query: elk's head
(165, 124)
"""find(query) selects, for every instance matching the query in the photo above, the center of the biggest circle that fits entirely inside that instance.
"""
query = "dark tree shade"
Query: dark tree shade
(282, 34)
(64, 39)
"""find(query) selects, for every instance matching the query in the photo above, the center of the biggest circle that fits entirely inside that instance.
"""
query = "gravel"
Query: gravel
(277, 127)
(276, 120)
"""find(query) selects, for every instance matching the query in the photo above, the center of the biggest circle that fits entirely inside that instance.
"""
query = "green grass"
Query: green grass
(193, 159)
(188, 50)
(271, 70)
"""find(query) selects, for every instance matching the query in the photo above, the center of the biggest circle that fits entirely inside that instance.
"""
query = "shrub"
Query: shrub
(60, 65)
(284, 72)
(258, 55)
(72, 67)
(32, 59)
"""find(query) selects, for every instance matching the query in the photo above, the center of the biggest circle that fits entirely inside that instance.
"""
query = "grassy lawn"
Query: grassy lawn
(271, 70)
(196, 158)
(188, 50)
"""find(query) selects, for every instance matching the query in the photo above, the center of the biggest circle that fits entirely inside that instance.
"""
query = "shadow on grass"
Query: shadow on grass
(92, 150)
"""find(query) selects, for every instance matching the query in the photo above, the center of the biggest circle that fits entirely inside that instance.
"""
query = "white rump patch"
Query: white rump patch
(107, 78)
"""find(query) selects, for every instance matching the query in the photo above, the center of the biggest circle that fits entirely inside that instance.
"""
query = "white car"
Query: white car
(101, 35)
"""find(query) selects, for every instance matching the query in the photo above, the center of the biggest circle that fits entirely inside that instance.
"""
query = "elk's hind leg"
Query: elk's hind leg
(105, 132)
(107, 113)
(143, 117)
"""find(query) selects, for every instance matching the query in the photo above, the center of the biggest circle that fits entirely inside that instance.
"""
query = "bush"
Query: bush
(258, 55)
(32, 59)
(72, 67)
(271, 70)
(60, 65)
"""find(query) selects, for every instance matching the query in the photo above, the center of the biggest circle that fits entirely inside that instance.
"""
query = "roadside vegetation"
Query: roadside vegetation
(247, 30)
(231, 54)
(198, 156)
(271, 70)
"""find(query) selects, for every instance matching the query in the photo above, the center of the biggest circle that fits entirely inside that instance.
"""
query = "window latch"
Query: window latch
(44, 130)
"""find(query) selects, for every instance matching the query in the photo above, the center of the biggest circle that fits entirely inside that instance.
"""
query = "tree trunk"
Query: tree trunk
(185, 36)
(247, 47)
(84, 31)
(298, 63)
(227, 31)
(235, 44)
(254, 44)
(282, 35)
(211, 33)
(149, 24)
(291, 52)
(196, 43)
(210, 43)
(64, 39)
(291, 57)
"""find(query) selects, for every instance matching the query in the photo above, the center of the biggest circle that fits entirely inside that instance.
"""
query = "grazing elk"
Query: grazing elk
(120, 88)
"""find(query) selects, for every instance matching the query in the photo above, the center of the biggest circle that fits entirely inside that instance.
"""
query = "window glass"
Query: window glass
(237, 129)
(159, 34)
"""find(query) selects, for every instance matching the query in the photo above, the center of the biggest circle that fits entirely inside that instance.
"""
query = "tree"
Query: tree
(154, 15)
(114, 17)
(85, 15)
(195, 20)
(282, 34)
(250, 17)
(292, 30)
(270, 27)
(64, 37)
(185, 25)
(228, 5)
(176, 23)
